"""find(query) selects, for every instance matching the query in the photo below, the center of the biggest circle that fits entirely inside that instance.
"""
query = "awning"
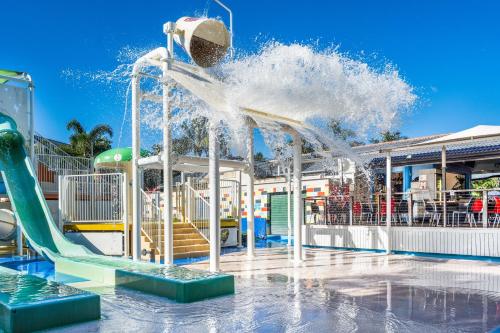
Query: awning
(477, 132)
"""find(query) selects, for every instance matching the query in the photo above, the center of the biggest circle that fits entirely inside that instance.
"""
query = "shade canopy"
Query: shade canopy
(477, 132)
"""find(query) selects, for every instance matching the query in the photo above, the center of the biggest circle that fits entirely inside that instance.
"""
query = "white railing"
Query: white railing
(197, 210)
(94, 198)
(51, 162)
(417, 208)
(152, 220)
(197, 203)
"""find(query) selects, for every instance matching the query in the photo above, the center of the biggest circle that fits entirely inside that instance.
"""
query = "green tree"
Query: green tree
(193, 140)
(388, 136)
(88, 144)
(488, 183)
(259, 157)
(346, 134)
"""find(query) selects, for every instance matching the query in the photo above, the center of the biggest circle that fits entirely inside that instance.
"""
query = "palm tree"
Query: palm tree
(91, 143)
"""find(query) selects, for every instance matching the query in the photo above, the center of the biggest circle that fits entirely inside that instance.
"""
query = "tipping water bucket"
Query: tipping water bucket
(205, 40)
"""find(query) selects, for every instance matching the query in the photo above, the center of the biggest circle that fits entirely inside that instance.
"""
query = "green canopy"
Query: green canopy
(5, 72)
(116, 156)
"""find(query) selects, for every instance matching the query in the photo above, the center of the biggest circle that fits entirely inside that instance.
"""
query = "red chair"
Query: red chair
(383, 209)
(496, 211)
(476, 208)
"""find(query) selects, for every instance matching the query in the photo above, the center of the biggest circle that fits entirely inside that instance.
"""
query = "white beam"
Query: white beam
(388, 199)
(443, 183)
(297, 198)
(136, 185)
(168, 231)
(214, 193)
(250, 195)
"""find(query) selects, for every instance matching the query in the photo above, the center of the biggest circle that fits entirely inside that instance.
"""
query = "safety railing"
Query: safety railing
(152, 219)
(51, 162)
(197, 210)
(94, 198)
(417, 208)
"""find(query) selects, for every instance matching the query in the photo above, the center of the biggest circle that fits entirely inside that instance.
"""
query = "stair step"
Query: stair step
(192, 235)
(191, 248)
(185, 255)
(184, 242)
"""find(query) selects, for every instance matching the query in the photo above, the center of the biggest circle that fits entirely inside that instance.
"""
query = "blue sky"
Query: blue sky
(449, 50)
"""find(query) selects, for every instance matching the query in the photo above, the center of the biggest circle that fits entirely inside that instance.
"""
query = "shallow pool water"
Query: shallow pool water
(333, 291)
(18, 289)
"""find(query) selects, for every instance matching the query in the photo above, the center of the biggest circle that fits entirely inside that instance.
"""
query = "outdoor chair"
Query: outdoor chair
(496, 212)
(383, 211)
(464, 208)
(356, 210)
(402, 213)
(367, 212)
(431, 212)
(476, 209)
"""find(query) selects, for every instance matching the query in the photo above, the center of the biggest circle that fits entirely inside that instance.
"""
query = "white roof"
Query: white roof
(480, 131)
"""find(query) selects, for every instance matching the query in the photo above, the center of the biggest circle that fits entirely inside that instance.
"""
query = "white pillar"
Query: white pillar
(168, 232)
(125, 203)
(214, 188)
(443, 184)
(238, 207)
(289, 205)
(250, 195)
(136, 176)
(19, 239)
(298, 208)
(388, 201)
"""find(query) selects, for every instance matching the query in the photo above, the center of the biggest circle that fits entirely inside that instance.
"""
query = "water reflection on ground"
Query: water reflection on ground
(332, 291)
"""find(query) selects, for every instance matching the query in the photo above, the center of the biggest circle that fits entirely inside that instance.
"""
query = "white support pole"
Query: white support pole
(443, 184)
(484, 212)
(126, 234)
(31, 88)
(238, 207)
(214, 194)
(388, 199)
(298, 209)
(60, 198)
(289, 205)
(136, 176)
(168, 250)
(250, 195)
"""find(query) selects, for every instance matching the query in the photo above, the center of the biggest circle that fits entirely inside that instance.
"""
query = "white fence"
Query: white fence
(198, 203)
(456, 241)
(152, 219)
(94, 198)
(52, 162)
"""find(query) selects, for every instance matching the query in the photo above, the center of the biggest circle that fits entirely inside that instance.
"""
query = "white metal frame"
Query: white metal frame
(163, 59)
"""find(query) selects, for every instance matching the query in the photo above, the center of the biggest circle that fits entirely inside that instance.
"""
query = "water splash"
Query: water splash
(298, 81)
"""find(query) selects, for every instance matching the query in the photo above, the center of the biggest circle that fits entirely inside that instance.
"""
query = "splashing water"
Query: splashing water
(296, 81)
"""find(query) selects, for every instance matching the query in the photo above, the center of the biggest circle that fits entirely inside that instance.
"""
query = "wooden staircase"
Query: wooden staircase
(188, 243)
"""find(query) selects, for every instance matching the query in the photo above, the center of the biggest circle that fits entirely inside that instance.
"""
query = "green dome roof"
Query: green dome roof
(116, 156)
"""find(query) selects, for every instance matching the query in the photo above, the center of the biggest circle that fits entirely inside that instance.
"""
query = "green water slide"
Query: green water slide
(32, 213)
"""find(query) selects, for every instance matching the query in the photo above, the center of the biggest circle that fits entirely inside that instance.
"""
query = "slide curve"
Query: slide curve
(27, 199)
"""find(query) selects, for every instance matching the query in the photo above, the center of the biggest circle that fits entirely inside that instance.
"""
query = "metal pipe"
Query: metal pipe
(250, 194)
(388, 199)
(298, 208)
(150, 59)
(167, 177)
(214, 193)
(231, 32)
